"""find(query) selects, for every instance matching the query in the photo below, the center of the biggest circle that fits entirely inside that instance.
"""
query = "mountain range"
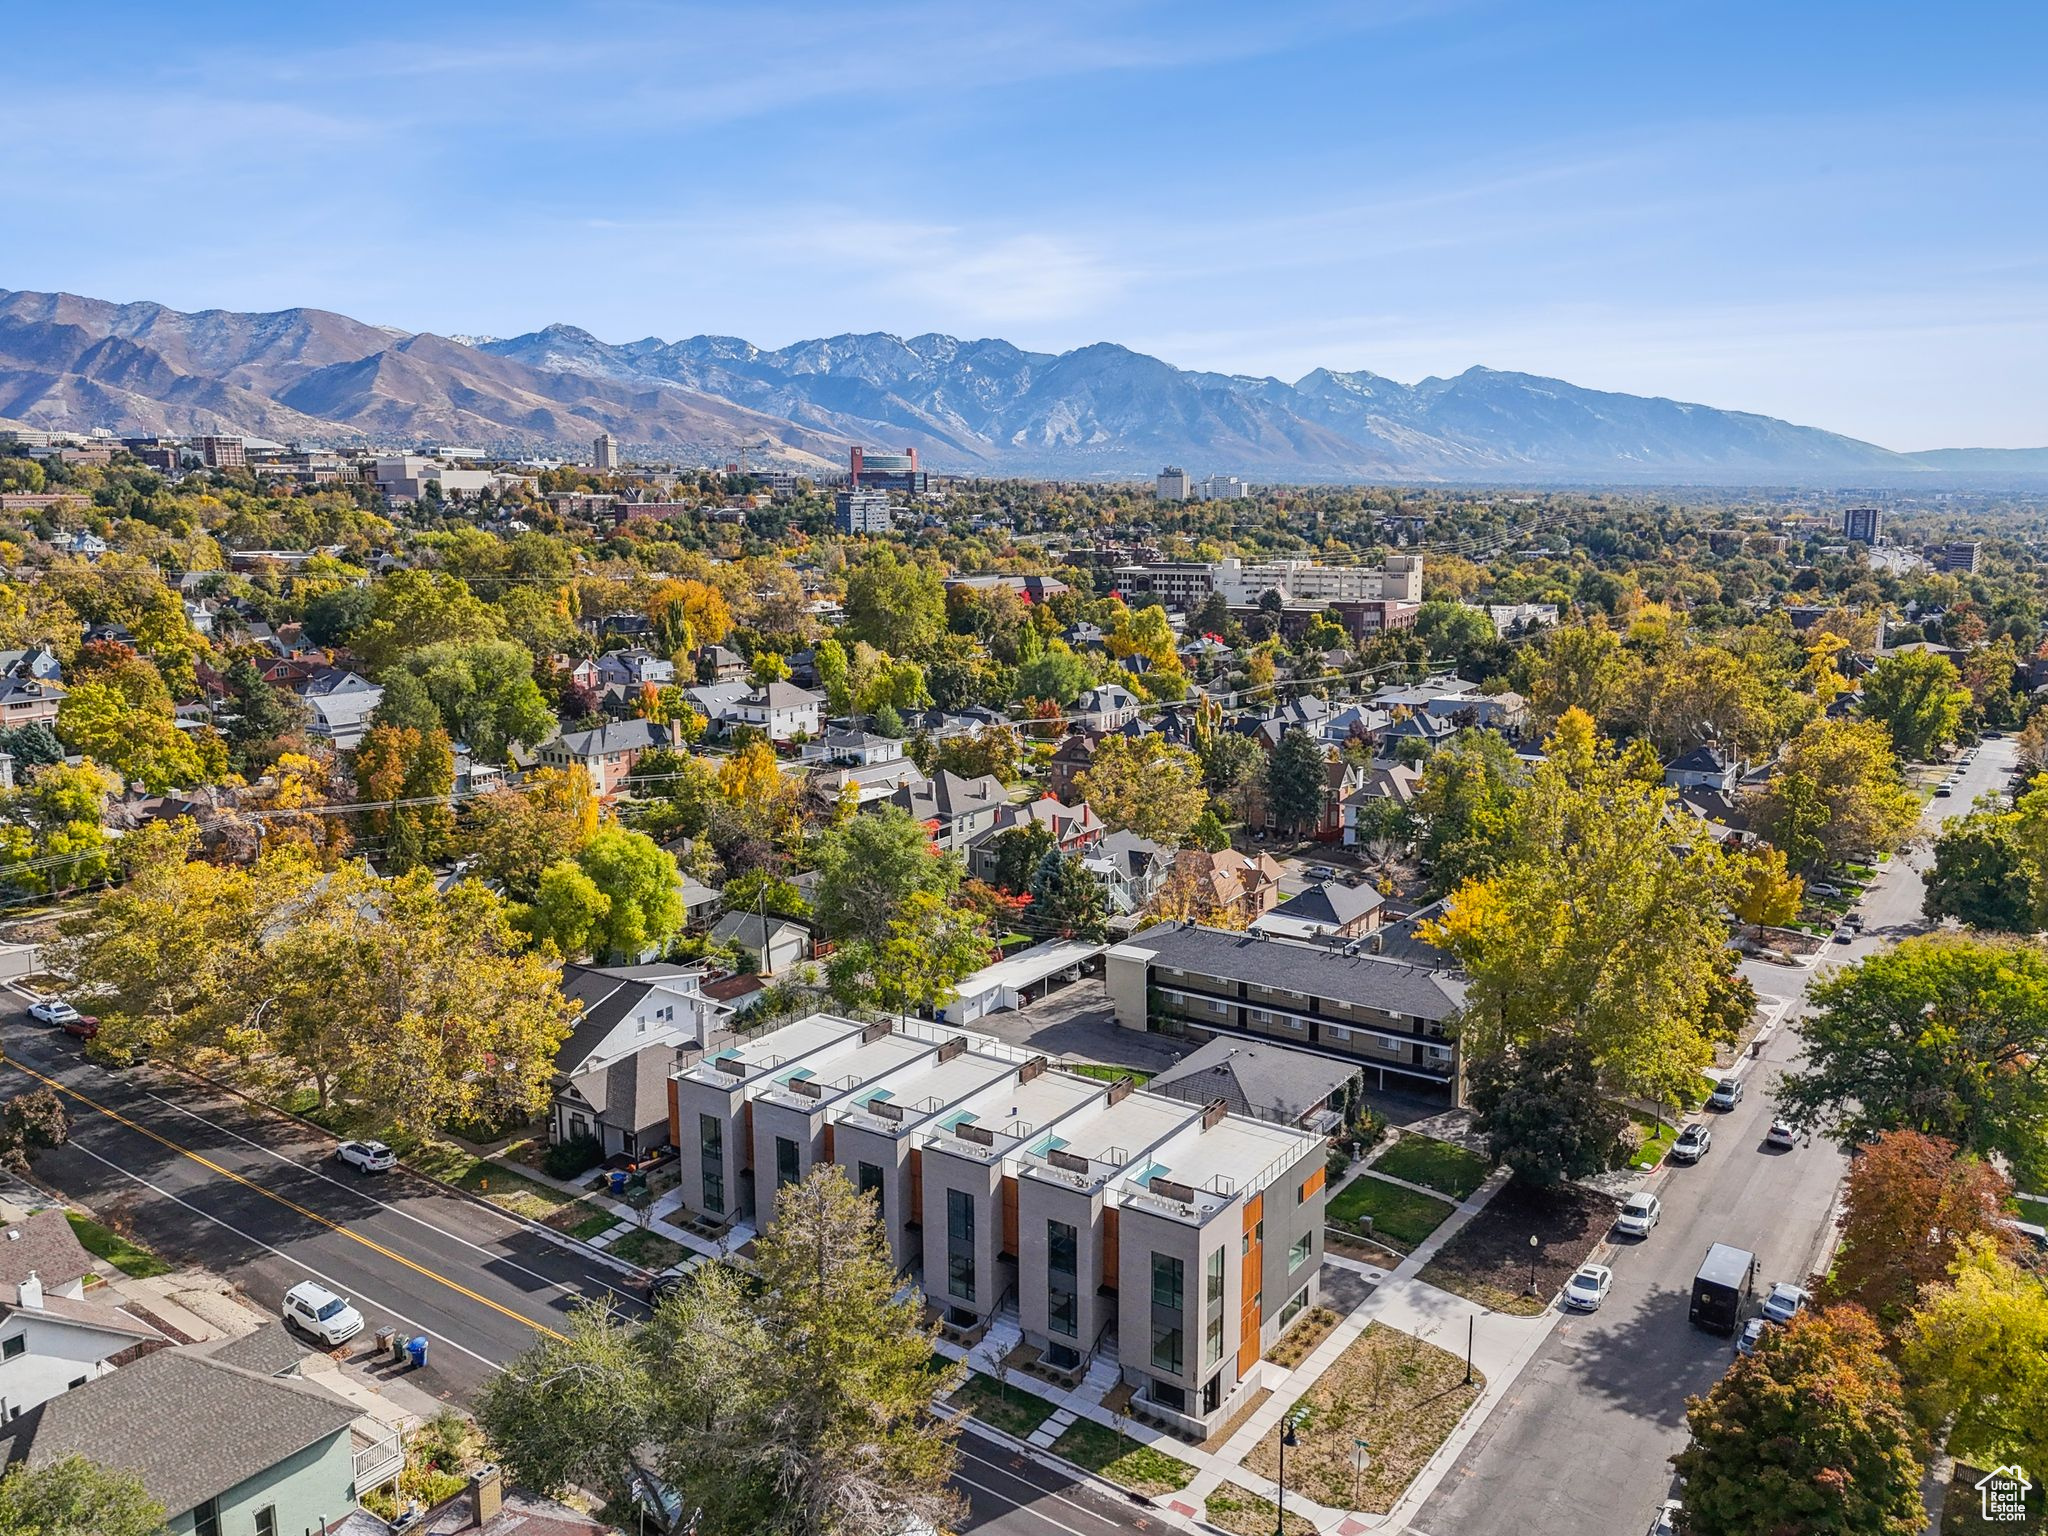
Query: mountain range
(970, 407)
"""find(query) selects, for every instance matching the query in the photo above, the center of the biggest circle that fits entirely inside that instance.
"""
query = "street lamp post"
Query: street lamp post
(1535, 1247)
(1287, 1438)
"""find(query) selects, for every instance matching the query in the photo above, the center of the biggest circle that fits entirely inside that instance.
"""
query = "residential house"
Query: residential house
(1075, 829)
(1506, 712)
(485, 1507)
(626, 670)
(1393, 1016)
(1264, 1081)
(1132, 868)
(607, 754)
(1708, 766)
(700, 904)
(42, 1243)
(338, 705)
(718, 703)
(611, 1072)
(37, 662)
(1327, 913)
(1001, 1180)
(958, 810)
(221, 1448)
(29, 701)
(1380, 784)
(851, 748)
(51, 1343)
(1074, 756)
(870, 782)
(773, 943)
(1419, 725)
(1244, 884)
(716, 664)
(580, 673)
(1108, 708)
(783, 710)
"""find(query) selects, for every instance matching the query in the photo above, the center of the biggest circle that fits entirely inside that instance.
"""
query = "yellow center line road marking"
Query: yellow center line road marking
(289, 1204)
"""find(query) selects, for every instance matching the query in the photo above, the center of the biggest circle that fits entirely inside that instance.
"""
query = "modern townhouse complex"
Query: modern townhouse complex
(1388, 1014)
(1174, 1240)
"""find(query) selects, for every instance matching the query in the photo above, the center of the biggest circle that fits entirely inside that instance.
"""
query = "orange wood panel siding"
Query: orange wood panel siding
(675, 1117)
(1251, 1311)
(917, 1184)
(828, 1144)
(1314, 1182)
(1111, 1247)
(1010, 1216)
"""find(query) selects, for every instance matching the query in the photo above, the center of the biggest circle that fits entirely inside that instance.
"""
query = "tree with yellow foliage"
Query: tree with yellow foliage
(1770, 893)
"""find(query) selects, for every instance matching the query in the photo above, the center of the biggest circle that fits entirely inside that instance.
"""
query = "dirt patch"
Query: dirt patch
(1300, 1341)
(1251, 1405)
(1231, 1508)
(1399, 1394)
(1490, 1260)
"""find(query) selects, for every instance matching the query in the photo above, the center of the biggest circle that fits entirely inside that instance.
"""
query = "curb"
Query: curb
(1093, 1480)
(561, 1239)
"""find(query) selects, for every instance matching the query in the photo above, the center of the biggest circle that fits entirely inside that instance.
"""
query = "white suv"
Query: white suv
(321, 1313)
(367, 1156)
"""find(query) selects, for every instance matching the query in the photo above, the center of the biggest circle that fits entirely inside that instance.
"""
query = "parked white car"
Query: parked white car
(367, 1156)
(1785, 1302)
(1639, 1214)
(52, 1010)
(1588, 1288)
(1666, 1523)
(321, 1313)
(1692, 1144)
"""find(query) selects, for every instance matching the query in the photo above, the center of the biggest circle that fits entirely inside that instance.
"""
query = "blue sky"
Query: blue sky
(1833, 213)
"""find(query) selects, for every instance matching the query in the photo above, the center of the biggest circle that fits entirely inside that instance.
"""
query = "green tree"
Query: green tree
(1296, 778)
(1836, 794)
(1918, 697)
(483, 693)
(1462, 806)
(511, 835)
(31, 1122)
(1069, 898)
(139, 742)
(1145, 786)
(568, 912)
(642, 889)
(1945, 1034)
(1807, 1434)
(261, 713)
(414, 607)
(870, 867)
(928, 946)
(1975, 1356)
(1058, 675)
(76, 1497)
(405, 777)
(1542, 1110)
(1018, 853)
(896, 605)
(1982, 876)
(1770, 893)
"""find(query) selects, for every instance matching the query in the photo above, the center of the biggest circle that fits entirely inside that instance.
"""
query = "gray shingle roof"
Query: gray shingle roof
(1255, 1078)
(1371, 981)
(191, 1428)
(45, 1243)
(1332, 903)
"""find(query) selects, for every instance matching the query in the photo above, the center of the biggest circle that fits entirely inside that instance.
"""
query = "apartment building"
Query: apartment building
(1176, 1237)
(1390, 1015)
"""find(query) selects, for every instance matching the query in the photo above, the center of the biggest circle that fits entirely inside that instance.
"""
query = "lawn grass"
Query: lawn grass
(649, 1250)
(1489, 1260)
(1013, 1410)
(1401, 1218)
(1403, 1395)
(1122, 1460)
(504, 1187)
(1105, 1074)
(1657, 1139)
(131, 1258)
(590, 1226)
(1230, 1508)
(1441, 1165)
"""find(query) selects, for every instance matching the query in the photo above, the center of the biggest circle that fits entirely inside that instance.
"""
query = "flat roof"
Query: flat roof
(1231, 1154)
(1112, 1136)
(765, 1052)
(1021, 1112)
(847, 1069)
(1029, 965)
(923, 1092)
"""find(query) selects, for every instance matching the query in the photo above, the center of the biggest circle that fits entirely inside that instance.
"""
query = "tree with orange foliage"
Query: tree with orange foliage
(1912, 1204)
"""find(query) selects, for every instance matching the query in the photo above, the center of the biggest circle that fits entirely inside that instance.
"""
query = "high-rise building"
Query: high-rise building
(1955, 555)
(1862, 524)
(1224, 488)
(221, 452)
(604, 451)
(863, 511)
(1174, 484)
(885, 471)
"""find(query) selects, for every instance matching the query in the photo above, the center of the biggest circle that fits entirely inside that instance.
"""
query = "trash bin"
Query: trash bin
(416, 1351)
(387, 1341)
(396, 1348)
(618, 1181)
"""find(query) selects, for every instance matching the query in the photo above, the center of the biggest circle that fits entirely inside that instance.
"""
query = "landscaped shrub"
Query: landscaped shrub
(577, 1155)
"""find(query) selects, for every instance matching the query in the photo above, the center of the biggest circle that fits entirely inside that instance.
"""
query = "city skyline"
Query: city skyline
(1827, 217)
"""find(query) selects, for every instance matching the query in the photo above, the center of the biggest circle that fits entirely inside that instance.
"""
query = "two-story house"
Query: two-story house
(611, 1073)
(783, 710)
(627, 669)
(29, 701)
(958, 810)
(1075, 830)
(607, 754)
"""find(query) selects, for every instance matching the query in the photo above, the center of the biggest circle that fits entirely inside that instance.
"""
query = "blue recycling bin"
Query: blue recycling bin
(416, 1350)
(618, 1181)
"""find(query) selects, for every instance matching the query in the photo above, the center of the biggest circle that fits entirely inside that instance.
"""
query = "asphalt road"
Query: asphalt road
(205, 1180)
(1580, 1447)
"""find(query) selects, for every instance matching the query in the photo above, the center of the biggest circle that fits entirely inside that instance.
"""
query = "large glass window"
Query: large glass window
(960, 1244)
(870, 1179)
(1212, 1308)
(786, 1167)
(1168, 1313)
(1299, 1250)
(711, 1159)
(1062, 1279)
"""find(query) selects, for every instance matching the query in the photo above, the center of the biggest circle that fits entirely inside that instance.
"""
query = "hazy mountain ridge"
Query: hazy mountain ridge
(974, 406)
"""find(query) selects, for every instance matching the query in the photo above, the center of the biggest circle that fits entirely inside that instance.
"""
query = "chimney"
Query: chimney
(486, 1493)
(31, 1291)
